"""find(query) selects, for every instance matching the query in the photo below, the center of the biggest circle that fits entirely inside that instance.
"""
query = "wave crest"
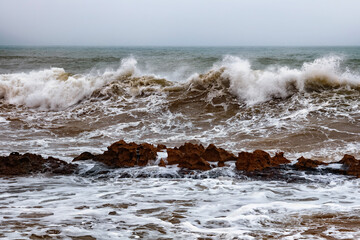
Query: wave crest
(56, 89)
(256, 86)
(233, 77)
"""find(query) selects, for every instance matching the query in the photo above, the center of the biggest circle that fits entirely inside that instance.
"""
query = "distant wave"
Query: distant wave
(256, 86)
(55, 89)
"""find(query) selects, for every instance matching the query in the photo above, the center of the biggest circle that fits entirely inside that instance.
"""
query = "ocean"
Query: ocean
(62, 101)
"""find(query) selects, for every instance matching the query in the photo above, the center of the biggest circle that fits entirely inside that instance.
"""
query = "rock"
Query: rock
(121, 154)
(18, 164)
(174, 156)
(189, 148)
(162, 163)
(177, 155)
(214, 154)
(221, 164)
(351, 165)
(307, 164)
(188, 156)
(258, 161)
(348, 160)
(279, 159)
(160, 147)
(84, 156)
(194, 162)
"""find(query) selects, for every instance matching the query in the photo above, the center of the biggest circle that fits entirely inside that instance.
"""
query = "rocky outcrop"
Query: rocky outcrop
(22, 164)
(258, 161)
(279, 159)
(121, 154)
(194, 156)
(214, 154)
(351, 166)
(162, 163)
(258, 164)
(188, 156)
(84, 156)
(194, 162)
(307, 164)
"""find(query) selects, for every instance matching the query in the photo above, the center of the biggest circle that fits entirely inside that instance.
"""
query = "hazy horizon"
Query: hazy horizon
(180, 46)
(185, 23)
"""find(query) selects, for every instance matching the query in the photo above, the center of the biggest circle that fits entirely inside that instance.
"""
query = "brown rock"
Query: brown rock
(162, 163)
(221, 164)
(349, 160)
(175, 156)
(351, 165)
(84, 156)
(18, 164)
(189, 148)
(256, 161)
(279, 159)
(307, 164)
(160, 147)
(121, 154)
(188, 156)
(194, 162)
(214, 154)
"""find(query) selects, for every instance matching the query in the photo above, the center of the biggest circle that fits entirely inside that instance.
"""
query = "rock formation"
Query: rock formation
(307, 164)
(351, 165)
(188, 157)
(21, 164)
(258, 161)
(121, 154)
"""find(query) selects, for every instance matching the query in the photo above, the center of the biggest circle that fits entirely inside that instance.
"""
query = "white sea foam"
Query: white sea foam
(68, 206)
(56, 89)
(256, 86)
(3, 120)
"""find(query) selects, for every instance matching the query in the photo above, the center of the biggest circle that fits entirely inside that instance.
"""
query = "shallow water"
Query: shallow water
(224, 208)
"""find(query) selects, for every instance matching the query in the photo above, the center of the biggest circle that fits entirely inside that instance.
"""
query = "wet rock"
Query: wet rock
(121, 154)
(258, 161)
(194, 162)
(189, 148)
(214, 154)
(160, 147)
(84, 156)
(162, 163)
(221, 164)
(177, 155)
(279, 159)
(21, 164)
(188, 156)
(174, 156)
(307, 164)
(351, 165)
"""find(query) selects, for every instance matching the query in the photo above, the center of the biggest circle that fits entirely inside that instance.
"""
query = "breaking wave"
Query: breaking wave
(56, 89)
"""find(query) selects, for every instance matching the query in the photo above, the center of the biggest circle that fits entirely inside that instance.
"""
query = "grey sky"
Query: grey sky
(180, 22)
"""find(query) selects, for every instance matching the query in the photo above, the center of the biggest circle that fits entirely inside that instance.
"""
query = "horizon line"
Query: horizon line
(174, 46)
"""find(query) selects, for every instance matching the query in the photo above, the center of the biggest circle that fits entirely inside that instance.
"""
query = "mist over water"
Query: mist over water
(303, 101)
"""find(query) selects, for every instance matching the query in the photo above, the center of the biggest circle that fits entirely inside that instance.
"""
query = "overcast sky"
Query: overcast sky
(180, 22)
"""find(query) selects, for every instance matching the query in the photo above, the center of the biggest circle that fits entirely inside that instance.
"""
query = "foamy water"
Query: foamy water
(303, 101)
(179, 208)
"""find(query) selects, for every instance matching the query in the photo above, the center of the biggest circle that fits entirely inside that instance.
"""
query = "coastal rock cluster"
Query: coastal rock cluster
(188, 156)
(21, 164)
